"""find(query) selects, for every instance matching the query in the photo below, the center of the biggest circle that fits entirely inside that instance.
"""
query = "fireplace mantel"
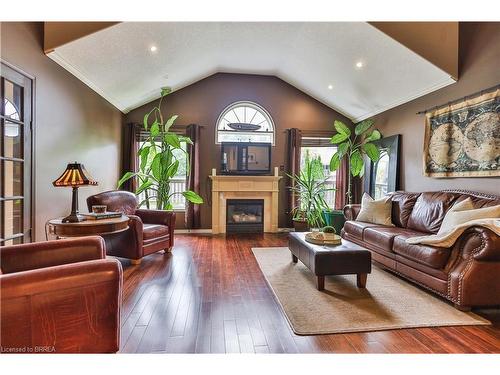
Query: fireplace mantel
(245, 187)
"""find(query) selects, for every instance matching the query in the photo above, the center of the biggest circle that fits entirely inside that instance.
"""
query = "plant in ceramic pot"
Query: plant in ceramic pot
(310, 186)
(354, 148)
(158, 160)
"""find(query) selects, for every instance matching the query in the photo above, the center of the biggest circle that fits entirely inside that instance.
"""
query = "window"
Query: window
(244, 122)
(381, 175)
(321, 150)
(15, 157)
(178, 183)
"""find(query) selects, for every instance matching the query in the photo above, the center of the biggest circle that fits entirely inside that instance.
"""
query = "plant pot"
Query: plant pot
(300, 225)
(334, 218)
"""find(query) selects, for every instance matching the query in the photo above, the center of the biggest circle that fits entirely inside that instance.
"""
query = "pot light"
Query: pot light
(153, 48)
(330, 87)
(359, 64)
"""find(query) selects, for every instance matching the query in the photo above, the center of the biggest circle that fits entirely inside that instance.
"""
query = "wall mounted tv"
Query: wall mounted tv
(245, 158)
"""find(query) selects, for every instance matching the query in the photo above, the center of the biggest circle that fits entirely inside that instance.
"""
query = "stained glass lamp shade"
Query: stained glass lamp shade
(75, 176)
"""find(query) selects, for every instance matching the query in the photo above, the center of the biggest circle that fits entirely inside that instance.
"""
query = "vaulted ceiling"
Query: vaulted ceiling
(352, 67)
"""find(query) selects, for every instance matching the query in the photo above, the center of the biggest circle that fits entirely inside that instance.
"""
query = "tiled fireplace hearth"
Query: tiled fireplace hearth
(244, 189)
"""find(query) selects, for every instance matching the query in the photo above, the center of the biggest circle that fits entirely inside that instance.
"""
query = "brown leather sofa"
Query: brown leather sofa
(149, 230)
(466, 273)
(60, 297)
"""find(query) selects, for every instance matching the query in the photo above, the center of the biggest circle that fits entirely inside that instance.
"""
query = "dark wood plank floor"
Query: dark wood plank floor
(209, 296)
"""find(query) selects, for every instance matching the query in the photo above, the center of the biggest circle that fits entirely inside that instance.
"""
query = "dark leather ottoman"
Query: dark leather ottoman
(346, 259)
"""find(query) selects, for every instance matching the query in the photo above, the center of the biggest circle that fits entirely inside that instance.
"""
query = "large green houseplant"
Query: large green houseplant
(158, 162)
(353, 148)
(310, 185)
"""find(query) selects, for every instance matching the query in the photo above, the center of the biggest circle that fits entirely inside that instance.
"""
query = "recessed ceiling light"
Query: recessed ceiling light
(330, 87)
(359, 64)
(153, 48)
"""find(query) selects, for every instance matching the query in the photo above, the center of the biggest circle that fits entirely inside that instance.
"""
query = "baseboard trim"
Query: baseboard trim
(193, 231)
(209, 231)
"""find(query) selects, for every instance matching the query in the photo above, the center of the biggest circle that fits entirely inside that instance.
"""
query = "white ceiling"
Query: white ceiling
(118, 64)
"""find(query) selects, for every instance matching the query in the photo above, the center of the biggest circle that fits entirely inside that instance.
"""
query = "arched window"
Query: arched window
(245, 122)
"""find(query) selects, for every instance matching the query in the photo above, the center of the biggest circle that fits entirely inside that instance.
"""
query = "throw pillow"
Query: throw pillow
(375, 211)
(463, 212)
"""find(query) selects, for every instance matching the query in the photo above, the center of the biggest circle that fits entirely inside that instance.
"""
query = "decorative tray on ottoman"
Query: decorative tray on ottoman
(321, 238)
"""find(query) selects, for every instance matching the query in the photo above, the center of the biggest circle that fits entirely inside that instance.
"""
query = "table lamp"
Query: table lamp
(75, 175)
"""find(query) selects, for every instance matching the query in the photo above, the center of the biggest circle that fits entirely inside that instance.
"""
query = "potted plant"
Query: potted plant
(334, 218)
(310, 185)
(158, 162)
(354, 148)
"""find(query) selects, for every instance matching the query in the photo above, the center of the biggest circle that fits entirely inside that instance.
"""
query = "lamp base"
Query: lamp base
(72, 218)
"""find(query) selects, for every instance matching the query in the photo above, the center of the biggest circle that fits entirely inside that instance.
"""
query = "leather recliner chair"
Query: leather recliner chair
(149, 230)
(60, 297)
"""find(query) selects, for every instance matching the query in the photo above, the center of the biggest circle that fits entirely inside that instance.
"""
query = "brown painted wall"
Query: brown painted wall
(202, 102)
(479, 69)
(435, 41)
(72, 122)
(57, 34)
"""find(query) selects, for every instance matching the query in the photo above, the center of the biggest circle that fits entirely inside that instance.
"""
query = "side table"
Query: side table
(87, 227)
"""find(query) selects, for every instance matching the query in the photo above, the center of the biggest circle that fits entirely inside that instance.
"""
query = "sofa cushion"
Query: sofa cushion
(375, 211)
(402, 206)
(434, 257)
(429, 210)
(383, 237)
(356, 228)
(152, 231)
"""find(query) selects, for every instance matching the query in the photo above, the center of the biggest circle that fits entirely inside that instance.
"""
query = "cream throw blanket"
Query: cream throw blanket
(447, 239)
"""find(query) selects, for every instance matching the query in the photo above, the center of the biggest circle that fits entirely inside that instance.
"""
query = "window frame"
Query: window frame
(27, 82)
(140, 141)
(322, 141)
(258, 108)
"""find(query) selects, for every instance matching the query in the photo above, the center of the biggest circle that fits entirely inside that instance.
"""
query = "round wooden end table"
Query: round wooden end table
(87, 227)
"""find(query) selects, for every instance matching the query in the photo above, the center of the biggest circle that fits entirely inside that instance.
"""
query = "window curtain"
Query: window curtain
(294, 142)
(131, 133)
(192, 217)
(341, 185)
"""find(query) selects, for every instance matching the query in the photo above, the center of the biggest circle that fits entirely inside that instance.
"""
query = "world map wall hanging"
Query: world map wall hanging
(463, 140)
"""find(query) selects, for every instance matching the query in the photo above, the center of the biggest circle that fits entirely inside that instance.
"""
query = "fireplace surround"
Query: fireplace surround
(226, 188)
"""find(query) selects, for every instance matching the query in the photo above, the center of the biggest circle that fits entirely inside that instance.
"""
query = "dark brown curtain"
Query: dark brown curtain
(192, 217)
(129, 156)
(341, 185)
(293, 142)
(357, 190)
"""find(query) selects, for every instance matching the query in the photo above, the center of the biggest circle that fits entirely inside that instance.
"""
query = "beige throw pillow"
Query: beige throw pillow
(463, 212)
(375, 211)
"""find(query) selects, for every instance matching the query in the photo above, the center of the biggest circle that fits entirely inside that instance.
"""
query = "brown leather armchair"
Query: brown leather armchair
(60, 297)
(149, 230)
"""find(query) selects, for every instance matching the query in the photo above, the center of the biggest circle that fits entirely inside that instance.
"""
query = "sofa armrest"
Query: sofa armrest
(69, 308)
(157, 217)
(30, 256)
(473, 273)
(480, 243)
(351, 211)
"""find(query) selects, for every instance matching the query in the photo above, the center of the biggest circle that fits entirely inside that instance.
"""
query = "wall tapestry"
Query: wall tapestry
(463, 140)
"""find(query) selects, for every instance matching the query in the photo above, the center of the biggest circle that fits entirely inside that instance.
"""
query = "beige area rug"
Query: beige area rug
(388, 302)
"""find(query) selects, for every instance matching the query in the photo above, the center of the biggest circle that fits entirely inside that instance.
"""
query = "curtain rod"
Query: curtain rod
(478, 93)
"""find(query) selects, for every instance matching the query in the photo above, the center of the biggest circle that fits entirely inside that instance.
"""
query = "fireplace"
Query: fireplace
(245, 216)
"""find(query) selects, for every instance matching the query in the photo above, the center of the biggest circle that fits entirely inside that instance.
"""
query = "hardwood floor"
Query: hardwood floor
(209, 296)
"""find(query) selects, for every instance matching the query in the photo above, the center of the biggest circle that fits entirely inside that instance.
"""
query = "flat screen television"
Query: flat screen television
(245, 158)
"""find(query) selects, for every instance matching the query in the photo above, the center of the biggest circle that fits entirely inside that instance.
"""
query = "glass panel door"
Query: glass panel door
(15, 157)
